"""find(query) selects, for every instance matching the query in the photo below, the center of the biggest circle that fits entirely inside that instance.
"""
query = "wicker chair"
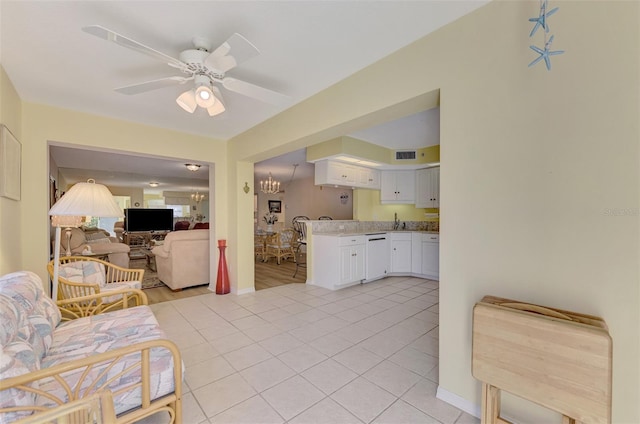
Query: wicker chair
(81, 276)
(280, 246)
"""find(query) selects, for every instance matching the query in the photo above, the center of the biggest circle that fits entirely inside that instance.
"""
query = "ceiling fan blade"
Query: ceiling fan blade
(107, 34)
(254, 91)
(232, 52)
(152, 85)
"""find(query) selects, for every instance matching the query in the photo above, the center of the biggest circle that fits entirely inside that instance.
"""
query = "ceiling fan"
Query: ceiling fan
(201, 66)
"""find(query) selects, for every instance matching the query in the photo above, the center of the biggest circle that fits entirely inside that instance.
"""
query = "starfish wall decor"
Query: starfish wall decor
(541, 21)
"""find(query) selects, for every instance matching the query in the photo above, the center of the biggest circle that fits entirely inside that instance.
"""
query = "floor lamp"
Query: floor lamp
(81, 200)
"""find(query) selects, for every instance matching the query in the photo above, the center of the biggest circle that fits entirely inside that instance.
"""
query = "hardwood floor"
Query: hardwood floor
(267, 274)
(270, 274)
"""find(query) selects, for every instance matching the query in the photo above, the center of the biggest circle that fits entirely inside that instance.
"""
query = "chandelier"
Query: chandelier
(197, 197)
(270, 186)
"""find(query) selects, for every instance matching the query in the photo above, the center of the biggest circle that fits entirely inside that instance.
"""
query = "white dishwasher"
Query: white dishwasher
(377, 256)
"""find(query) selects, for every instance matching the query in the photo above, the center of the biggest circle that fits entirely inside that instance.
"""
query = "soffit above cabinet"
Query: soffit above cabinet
(357, 152)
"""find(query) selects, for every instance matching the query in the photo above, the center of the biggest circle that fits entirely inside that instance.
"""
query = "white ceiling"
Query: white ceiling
(306, 46)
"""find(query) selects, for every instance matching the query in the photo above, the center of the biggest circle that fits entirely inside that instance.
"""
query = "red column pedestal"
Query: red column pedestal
(222, 283)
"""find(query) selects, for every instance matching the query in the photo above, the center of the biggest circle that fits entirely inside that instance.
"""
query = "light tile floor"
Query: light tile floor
(303, 354)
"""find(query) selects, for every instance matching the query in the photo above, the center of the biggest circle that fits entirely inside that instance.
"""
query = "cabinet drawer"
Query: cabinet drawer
(350, 240)
(401, 236)
(433, 238)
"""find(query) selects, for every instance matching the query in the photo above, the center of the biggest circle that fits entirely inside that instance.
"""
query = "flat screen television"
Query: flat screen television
(148, 219)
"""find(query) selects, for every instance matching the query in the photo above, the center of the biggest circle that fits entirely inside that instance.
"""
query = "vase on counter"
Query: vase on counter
(269, 228)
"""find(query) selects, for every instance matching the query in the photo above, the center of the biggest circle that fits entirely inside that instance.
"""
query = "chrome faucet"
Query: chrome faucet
(396, 221)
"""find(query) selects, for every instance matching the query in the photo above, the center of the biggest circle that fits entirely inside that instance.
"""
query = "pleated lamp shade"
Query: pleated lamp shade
(87, 199)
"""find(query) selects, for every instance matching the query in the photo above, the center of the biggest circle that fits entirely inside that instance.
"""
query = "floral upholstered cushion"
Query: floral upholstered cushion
(117, 286)
(27, 318)
(100, 333)
(83, 272)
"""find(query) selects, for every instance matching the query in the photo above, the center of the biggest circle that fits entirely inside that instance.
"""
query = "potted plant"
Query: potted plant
(270, 218)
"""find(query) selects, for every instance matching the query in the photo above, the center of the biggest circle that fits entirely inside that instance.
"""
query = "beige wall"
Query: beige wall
(302, 197)
(10, 216)
(42, 124)
(531, 162)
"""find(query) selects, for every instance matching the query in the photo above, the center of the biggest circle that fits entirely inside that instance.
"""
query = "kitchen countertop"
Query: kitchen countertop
(364, 233)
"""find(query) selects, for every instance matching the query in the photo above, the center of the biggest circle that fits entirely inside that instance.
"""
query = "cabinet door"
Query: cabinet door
(346, 255)
(406, 186)
(350, 175)
(423, 188)
(435, 187)
(388, 186)
(428, 188)
(358, 271)
(401, 255)
(430, 259)
(368, 178)
(352, 262)
(335, 172)
(374, 179)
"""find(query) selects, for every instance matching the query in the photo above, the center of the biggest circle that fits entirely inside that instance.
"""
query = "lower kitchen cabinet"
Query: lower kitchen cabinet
(337, 261)
(342, 261)
(431, 255)
(352, 263)
(401, 252)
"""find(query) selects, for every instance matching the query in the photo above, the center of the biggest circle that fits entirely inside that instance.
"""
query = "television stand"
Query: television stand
(139, 240)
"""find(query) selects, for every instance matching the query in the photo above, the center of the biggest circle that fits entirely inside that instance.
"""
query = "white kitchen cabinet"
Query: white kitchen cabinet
(431, 255)
(368, 178)
(416, 253)
(338, 261)
(329, 172)
(401, 252)
(428, 188)
(352, 263)
(398, 187)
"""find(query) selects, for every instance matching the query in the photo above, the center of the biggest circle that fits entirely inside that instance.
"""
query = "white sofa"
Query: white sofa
(183, 259)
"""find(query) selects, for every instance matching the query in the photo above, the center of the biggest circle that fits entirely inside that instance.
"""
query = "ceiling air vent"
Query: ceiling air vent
(406, 155)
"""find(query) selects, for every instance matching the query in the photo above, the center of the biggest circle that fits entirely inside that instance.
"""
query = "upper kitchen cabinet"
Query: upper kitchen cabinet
(428, 188)
(329, 172)
(368, 178)
(398, 187)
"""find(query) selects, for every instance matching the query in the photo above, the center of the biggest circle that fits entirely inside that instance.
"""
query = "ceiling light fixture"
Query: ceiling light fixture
(197, 197)
(192, 166)
(153, 184)
(204, 95)
(270, 186)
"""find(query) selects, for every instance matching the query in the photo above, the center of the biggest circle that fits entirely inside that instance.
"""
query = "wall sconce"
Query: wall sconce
(246, 187)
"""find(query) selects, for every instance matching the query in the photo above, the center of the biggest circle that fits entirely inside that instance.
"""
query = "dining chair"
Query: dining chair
(300, 226)
(280, 245)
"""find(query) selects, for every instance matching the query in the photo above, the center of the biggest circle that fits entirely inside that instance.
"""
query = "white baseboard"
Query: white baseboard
(457, 401)
(245, 291)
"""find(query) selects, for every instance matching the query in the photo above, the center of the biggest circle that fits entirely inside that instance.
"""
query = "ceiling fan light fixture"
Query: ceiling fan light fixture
(187, 101)
(218, 106)
(204, 97)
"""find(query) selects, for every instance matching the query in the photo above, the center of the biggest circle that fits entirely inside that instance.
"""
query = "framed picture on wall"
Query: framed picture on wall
(275, 206)
(10, 150)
